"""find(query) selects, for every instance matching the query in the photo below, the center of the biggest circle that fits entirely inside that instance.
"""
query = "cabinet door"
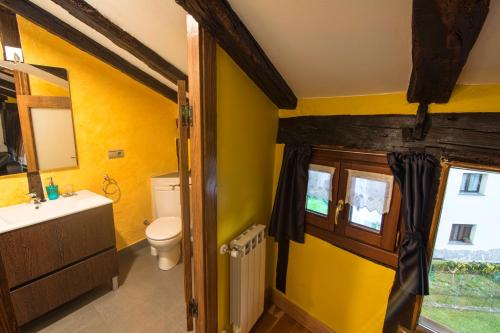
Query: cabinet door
(87, 233)
(31, 252)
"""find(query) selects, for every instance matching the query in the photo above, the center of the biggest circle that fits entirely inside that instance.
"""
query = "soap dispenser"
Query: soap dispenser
(52, 189)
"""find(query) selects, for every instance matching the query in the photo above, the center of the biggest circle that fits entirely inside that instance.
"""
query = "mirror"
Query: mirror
(37, 132)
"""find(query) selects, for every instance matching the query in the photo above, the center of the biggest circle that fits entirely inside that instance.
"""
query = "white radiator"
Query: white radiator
(248, 267)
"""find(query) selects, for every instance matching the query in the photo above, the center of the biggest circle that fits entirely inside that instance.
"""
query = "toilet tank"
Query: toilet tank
(166, 195)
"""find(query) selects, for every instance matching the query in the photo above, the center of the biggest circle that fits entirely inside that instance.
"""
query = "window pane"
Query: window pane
(319, 188)
(364, 217)
(471, 182)
(462, 233)
(465, 270)
(367, 201)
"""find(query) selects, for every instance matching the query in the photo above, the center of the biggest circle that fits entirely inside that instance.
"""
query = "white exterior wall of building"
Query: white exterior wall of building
(481, 210)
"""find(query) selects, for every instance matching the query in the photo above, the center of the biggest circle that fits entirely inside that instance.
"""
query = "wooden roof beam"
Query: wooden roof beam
(444, 33)
(59, 28)
(223, 23)
(87, 14)
(7, 84)
(7, 92)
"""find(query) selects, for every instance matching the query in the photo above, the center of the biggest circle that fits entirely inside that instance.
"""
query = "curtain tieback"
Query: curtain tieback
(414, 238)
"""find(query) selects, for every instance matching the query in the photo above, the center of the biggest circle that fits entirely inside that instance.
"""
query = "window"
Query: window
(464, 281)
(319, 189)
(461, 233)
(471, 183)
(353, 203)
(369, 195)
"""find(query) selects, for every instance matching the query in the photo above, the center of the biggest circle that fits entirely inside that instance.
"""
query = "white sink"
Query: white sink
(18, 216)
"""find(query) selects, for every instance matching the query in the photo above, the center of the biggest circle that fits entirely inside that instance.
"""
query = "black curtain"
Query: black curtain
(415, 174)
(287, 219)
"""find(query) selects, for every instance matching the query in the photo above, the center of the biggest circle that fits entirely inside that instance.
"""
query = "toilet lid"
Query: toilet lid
(164, 228)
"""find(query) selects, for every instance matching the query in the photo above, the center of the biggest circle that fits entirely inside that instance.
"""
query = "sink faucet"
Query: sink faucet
(36, 200)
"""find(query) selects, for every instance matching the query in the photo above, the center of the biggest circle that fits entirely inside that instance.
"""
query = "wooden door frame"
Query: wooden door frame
(203, 135)
(183, 162)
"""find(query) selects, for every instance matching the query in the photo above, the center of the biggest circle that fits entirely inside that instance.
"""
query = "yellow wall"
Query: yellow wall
(471, 98)
(110, 111)
(42, 87)
(246, 133)
(346, 292)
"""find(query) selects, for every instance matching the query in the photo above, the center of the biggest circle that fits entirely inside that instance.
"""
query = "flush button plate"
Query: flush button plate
(117, 153)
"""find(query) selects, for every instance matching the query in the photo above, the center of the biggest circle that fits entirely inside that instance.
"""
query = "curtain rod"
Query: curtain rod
(340, 149)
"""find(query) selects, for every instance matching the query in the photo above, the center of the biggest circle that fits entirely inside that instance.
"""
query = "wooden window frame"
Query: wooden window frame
(443, 180)
(381, 248)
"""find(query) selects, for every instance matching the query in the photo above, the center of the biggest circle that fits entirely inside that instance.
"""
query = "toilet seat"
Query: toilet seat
(164, 228)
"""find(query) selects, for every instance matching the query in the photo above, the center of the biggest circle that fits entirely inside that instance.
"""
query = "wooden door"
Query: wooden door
(203, 149)
(184, 123)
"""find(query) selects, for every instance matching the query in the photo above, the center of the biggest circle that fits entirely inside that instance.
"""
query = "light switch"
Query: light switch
(117, 153)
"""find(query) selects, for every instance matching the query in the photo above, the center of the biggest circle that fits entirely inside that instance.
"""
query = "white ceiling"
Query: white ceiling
(337, 47)
(321, 47)
(159, 24)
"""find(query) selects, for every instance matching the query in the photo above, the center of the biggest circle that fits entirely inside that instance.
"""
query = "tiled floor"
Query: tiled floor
(148, 300)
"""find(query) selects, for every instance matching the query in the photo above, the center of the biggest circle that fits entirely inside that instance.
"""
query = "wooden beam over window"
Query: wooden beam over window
(94, 19)
(443, 34)
(468, 137)
(86, 44)
(224, 24)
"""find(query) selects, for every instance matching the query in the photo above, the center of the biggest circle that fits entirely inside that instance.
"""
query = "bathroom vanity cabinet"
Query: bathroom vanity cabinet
(50, 263)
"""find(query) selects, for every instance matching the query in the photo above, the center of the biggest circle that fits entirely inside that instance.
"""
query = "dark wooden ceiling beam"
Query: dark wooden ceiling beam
(7, 84)
(87, 14)
(59, 28)
(443, 34)
(7, 92)
(8, 30)
(61, 73)
(223, 23)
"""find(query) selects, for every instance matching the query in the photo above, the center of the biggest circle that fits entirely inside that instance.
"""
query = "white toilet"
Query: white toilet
(164, 233)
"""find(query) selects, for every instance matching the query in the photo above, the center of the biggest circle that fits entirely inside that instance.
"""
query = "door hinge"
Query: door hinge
(193, 308)
(187, 115)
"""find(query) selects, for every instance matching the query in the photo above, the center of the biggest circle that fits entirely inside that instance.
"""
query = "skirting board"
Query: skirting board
(298, 314)
(134, 247)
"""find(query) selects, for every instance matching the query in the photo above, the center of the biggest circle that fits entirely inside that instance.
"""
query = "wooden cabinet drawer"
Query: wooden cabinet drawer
(86, 233)
(34, 251)
(31, 252)
(47, 293)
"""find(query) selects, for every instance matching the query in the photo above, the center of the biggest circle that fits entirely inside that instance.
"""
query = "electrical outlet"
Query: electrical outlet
(117, 153)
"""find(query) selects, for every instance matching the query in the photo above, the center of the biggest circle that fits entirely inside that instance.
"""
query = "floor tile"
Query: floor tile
(148, 300)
